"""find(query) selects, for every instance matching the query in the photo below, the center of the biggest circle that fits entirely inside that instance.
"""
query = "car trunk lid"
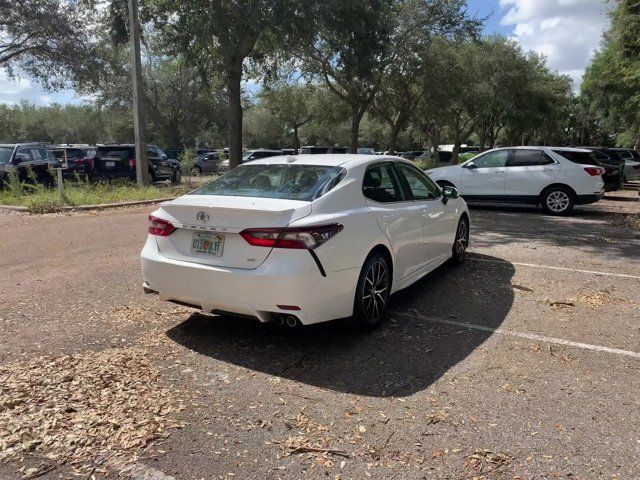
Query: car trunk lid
(208, 228)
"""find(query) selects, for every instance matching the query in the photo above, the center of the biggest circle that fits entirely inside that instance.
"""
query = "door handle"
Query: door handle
(389, 217)
(499, 171)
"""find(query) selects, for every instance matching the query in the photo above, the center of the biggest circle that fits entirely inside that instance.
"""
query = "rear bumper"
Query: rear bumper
(287, 277)
(585, 199)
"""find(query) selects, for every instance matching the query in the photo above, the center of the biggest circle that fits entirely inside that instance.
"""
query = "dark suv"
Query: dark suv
(79, 159)
(118, 161)
(29, 160)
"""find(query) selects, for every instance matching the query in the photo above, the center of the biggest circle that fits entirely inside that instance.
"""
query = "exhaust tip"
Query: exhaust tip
(291, 321)
(278, 320)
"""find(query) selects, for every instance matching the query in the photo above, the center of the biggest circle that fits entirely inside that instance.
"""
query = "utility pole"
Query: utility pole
(142, 171)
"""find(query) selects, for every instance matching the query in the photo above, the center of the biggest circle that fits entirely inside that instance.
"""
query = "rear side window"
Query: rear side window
(381, 184)
(284, 181)
(583, 158)
(530, 158)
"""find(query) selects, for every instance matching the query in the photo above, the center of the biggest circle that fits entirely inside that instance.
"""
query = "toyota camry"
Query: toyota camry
(304, 239)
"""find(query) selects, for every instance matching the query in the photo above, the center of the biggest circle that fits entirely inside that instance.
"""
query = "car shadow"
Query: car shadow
(406, 354)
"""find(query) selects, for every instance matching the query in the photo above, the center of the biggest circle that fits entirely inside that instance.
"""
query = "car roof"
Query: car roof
(542, 147)
(328, 159)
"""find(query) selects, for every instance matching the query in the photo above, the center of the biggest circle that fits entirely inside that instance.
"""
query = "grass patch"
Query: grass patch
(39, 199)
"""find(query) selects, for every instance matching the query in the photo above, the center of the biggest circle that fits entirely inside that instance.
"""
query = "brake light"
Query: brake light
(160, 227)
(636, 167)
(595, 171)
(306, 238)
(132, 162)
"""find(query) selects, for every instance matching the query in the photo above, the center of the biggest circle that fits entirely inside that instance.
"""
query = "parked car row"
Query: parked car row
(114, 161)
(30, 161)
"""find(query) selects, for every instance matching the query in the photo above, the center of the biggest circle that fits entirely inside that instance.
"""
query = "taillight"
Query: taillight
(594, 171)
(306, 238)
(636, 167)
(132, 162)
(160, 227)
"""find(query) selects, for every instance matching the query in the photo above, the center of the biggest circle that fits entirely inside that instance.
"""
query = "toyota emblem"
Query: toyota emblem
(202, 216)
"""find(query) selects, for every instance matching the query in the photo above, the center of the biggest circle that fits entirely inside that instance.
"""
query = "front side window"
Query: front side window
(495, 159)
(421, 186)
(5, 154)
(381, 184)
(286, 181)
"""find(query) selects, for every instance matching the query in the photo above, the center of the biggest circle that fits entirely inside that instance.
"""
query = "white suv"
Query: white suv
(535, 175)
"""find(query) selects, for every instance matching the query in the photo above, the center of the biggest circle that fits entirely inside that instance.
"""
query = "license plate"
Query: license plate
(110, 164)
(207, 244)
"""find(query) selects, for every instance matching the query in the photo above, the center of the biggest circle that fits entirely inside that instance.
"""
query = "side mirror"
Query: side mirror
(449, 193)
(471, 165)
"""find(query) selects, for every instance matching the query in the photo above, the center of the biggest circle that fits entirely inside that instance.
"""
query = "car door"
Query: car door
(210, 163)
(484, 176)
(438, 217)
(529, 171)
(400, 218)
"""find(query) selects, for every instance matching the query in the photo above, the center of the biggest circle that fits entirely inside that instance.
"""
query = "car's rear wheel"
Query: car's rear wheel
(195, 171)
(177, 177)
(558, 200)
(461, 242)
(372, 292)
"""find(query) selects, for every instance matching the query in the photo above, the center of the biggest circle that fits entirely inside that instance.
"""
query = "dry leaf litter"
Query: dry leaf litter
(85, 410)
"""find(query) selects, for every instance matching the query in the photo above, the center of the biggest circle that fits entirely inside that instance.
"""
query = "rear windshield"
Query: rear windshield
(123, 153)
(583, 158)
(74, 153)
(286, 181)
(5, 154)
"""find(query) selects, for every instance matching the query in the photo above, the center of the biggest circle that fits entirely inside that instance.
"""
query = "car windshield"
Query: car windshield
(5, 154)
(583, 158)
(284, 181)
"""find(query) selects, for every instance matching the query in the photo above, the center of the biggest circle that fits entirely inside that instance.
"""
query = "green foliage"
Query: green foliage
(42, 38)
(611, 88)
(42, 200)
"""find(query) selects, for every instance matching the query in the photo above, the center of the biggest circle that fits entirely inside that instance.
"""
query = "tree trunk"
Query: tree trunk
(356, 116)
(296, 140)
(234, 90)
(455, 153)
(393, 138)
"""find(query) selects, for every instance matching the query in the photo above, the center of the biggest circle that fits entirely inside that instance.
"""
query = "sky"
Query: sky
(567, 32)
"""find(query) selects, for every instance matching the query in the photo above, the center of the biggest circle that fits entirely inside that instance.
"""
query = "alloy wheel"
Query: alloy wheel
(462, 239)
(374, 298)
(558, 201)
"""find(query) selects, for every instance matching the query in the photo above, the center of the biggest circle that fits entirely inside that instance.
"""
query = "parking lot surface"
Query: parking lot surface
(521, 363)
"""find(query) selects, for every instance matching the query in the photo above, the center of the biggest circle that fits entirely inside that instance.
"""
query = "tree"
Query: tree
(221, 36)
(349, 51)
(292, 104)
(611, 86)
(49, 40)
(416, 25)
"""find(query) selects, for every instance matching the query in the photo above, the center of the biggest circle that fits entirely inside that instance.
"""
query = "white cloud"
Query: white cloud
(14, 90)
(567, 32)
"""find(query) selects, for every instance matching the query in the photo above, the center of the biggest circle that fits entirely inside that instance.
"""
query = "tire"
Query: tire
(372, 292)
(461, 242)
(177, 177)
(195, 171)
(558, 200)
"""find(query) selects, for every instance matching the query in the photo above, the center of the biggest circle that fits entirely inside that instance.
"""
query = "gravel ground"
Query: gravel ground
(436, 392)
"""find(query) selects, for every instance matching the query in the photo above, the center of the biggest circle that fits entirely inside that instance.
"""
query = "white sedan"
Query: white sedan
(304, 239)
